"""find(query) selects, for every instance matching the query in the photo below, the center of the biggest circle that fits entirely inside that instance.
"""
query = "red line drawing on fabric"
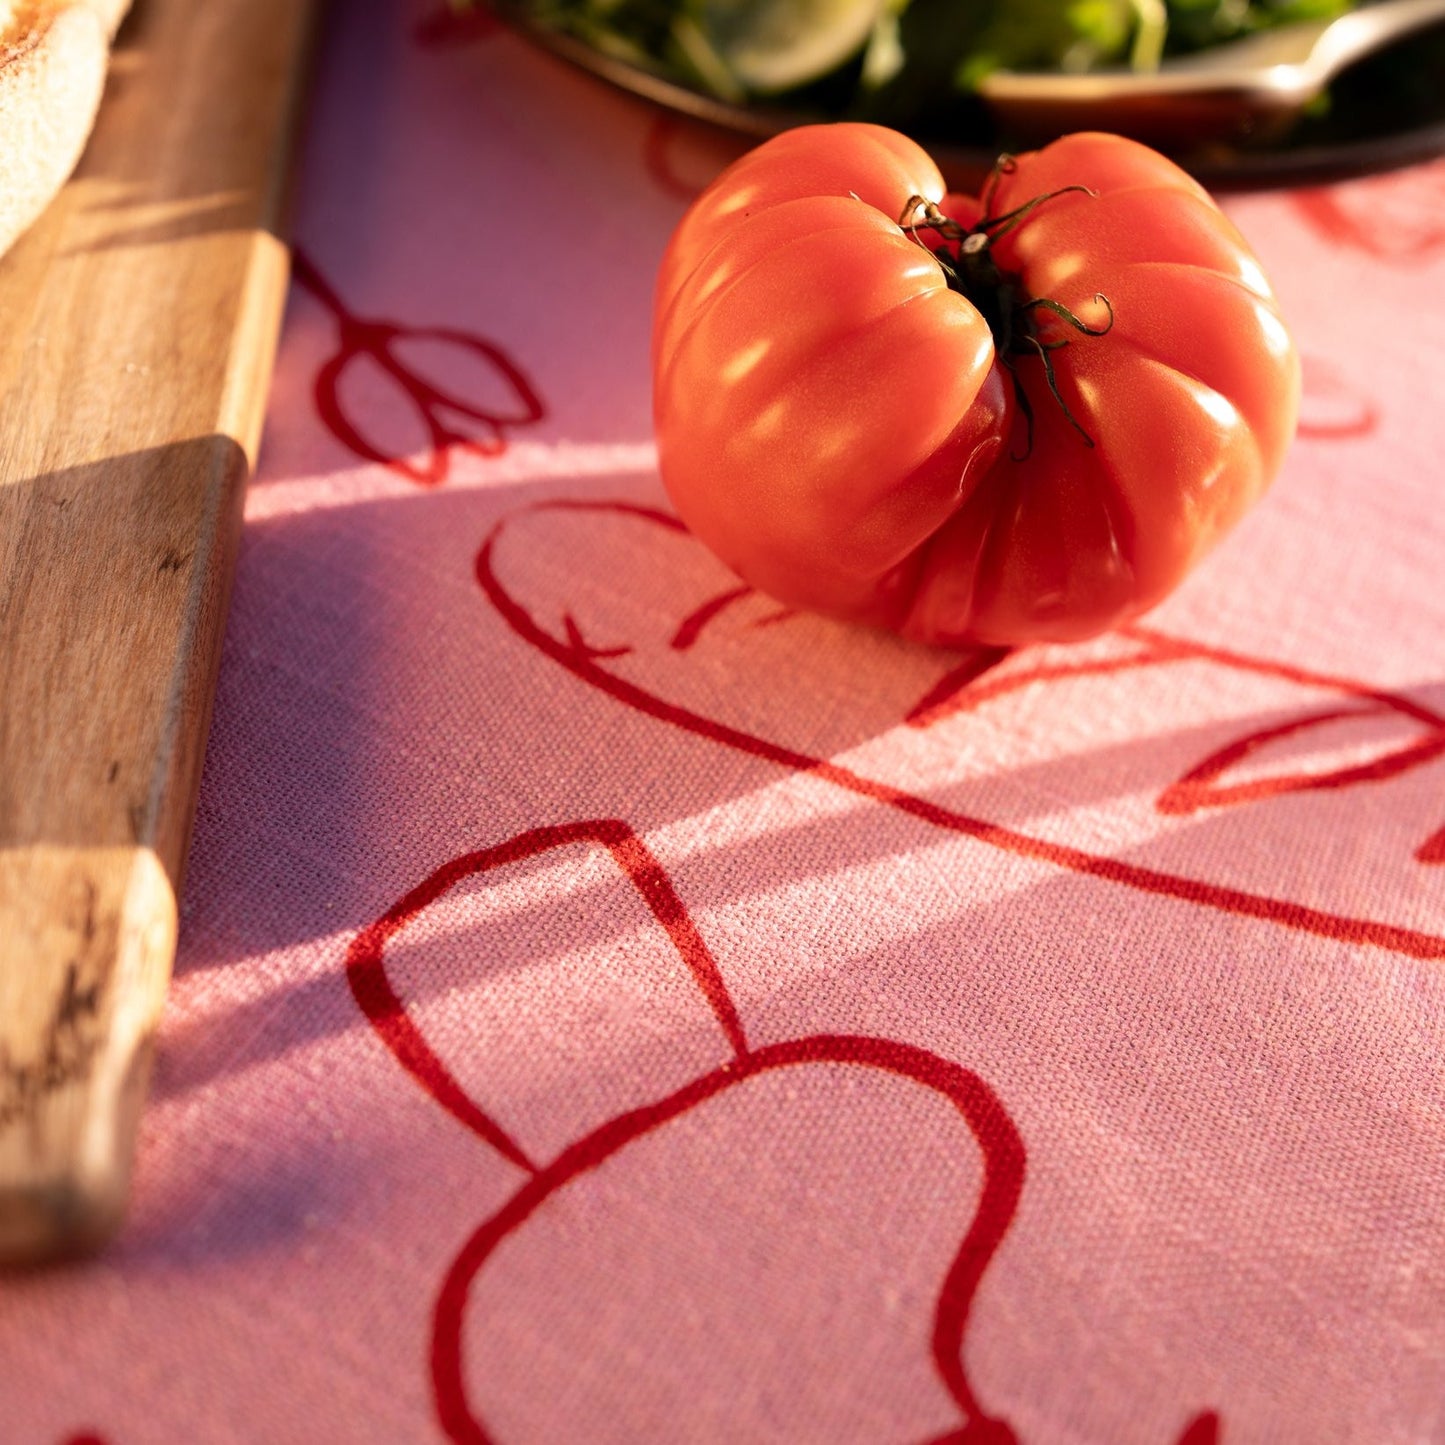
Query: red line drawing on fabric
(1200, 787)
(1202, 1430)
(993, 1131)
(1332, 405)
(691, 626)
(1391, 218)
(377, 341)
(657, 158)
(967, 686)
(1155, 646)
(682, 157)
(449, 25)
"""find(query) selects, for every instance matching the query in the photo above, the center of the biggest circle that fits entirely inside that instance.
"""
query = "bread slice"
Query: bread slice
(52, 70)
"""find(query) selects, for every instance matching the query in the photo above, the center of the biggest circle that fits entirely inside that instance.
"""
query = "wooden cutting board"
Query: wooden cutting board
(138, 322)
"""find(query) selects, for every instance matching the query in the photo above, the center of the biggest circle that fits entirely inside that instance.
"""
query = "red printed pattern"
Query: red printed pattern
(486, 426)
(1199, 788)
(682, 159)
(1003, 1151)
(983, 1114)
(1332, 405)
(447, 25)
(657, 157)
(1397, 218)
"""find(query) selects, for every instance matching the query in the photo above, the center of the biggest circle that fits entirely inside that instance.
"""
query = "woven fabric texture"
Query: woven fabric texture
(609, 1011)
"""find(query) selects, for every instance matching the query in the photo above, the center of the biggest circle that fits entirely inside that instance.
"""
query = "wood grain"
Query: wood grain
(138, 322)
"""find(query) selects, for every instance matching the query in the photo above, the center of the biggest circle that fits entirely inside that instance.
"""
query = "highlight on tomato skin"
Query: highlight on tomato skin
(1015, 417)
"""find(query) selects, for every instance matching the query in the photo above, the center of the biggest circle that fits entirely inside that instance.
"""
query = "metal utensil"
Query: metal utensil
(1246, 91)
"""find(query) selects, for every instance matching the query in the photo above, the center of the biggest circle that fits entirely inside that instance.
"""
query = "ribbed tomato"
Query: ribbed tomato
(1003, 419)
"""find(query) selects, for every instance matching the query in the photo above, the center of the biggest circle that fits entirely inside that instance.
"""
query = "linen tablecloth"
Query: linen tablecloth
(611, 1009)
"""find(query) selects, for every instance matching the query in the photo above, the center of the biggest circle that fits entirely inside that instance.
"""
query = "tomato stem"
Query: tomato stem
(969, 267)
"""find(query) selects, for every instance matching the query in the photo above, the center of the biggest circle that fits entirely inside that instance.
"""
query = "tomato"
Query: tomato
(1017, 417)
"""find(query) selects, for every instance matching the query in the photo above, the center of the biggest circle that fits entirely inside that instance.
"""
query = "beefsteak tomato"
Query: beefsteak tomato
(1011, 418)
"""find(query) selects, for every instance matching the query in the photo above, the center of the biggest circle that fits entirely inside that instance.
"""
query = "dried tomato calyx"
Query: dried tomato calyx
(969, 267)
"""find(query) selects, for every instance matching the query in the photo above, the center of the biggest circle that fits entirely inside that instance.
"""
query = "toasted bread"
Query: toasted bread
(53, 57)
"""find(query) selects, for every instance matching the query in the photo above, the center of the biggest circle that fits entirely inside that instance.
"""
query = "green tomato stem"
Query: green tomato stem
(970, 268)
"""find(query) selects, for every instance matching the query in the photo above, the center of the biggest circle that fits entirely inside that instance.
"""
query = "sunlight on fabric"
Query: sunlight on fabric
(523, 462)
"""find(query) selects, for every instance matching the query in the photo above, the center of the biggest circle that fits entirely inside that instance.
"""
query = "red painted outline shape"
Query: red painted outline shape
(581, 662)
(1200, 786)
(448, 25)
(992, 1129)
(375, 340)
(1354, 414)
(967, 688)
(1359, 227)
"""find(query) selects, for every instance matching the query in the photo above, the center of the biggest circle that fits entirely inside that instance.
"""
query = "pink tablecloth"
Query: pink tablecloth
(611, 1011)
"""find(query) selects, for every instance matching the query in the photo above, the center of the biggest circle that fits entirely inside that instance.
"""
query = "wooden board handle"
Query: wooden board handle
(140, 318)
(96, 930)
(110, 630)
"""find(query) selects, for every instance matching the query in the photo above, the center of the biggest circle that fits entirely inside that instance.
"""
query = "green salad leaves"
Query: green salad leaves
(892, 59)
